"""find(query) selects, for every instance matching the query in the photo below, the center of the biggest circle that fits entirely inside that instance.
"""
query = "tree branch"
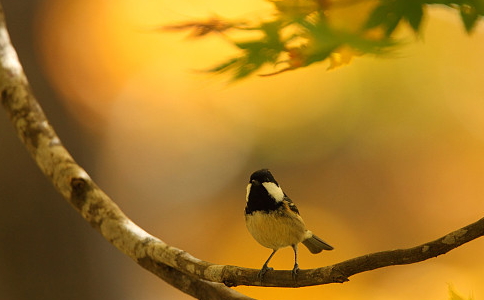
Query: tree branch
(76, 187)
(198, 278)
(340, 272)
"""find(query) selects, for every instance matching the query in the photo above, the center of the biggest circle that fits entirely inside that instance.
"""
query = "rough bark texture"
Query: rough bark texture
(198, 278)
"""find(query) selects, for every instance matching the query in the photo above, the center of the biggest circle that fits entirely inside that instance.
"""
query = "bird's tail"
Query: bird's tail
(315, 244)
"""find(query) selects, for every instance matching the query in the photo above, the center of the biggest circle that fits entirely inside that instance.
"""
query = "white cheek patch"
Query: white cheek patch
(248, 191)
(274, 191)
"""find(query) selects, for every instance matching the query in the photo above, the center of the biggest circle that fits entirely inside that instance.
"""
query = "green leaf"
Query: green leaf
(469, 15)
(390, 12)
(385, 14)
(324, 40)
(300, 34)
(255, 53)
(469, 10)
(414, 14)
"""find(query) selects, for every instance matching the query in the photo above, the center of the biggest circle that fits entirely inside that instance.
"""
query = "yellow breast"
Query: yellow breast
(276, 229)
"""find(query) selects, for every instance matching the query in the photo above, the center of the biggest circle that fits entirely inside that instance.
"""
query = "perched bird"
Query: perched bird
(274, 221)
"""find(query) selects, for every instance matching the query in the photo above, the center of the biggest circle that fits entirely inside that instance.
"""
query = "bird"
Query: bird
(274, 221)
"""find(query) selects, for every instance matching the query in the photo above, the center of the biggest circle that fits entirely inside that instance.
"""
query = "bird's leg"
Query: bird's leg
(296, 266)
(265, 268)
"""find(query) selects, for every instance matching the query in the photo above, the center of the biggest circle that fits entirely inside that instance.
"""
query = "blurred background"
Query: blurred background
(382, 154)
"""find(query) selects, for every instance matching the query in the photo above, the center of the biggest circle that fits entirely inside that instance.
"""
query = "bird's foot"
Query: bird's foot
(294, 271)
(263, 271)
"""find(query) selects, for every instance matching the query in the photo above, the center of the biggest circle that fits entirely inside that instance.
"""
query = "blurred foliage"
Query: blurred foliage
(303, 32)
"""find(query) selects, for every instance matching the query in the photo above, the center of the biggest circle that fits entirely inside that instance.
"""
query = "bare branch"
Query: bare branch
(198, 278)
(340, 272)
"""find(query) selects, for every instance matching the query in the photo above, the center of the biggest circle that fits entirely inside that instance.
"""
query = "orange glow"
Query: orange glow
(393, 145)
(92, 48)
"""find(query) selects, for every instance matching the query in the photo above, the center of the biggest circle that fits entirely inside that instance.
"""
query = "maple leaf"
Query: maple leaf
(303, 32)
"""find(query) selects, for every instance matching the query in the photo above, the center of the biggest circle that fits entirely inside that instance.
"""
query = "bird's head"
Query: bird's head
(263, 187)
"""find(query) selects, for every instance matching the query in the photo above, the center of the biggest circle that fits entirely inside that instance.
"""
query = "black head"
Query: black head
(263, 192)
(260, 176)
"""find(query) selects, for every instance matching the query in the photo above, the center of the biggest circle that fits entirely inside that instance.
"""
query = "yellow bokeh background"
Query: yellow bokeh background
(384, 153)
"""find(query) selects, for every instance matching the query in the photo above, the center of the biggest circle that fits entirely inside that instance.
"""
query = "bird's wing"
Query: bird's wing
(291, 204)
